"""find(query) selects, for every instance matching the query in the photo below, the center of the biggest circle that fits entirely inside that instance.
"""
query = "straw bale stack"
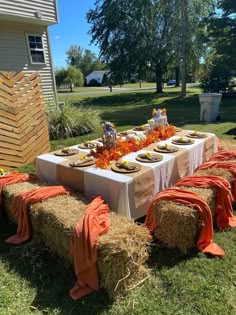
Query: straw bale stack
(178, 224)
(10, 191)
(228, 145)
(123, 251)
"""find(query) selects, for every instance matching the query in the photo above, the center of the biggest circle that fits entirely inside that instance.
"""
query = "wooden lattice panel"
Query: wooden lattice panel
(23, 121)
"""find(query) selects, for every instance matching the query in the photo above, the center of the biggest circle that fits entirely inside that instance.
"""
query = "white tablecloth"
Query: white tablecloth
(118, 189)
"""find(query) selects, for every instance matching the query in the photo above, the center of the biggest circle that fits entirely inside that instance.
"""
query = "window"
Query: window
(36, 51)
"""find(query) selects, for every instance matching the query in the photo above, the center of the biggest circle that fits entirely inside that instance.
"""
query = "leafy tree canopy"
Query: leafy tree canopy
(84, 59)
(134, 35)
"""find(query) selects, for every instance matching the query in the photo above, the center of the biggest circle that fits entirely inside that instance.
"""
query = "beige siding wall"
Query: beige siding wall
(28, 9)
(14, 55)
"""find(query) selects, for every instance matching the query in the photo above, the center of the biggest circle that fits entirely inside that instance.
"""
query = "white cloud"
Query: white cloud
(56, 37)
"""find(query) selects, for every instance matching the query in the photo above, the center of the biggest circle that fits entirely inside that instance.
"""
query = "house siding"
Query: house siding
(29, 8)
(14, 55)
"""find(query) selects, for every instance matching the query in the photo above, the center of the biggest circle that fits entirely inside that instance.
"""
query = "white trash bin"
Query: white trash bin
(210, 103)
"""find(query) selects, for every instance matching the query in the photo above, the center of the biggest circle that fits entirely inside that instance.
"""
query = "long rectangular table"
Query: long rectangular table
(127, 194)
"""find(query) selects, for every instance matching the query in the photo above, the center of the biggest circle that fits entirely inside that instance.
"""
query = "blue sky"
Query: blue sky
(72, 29)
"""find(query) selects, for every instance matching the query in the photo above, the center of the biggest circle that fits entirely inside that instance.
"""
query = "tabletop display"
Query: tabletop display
(131, 167)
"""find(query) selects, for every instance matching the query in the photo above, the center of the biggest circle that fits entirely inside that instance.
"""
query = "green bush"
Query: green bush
(217, 80)
(94, 82)
(71, 121)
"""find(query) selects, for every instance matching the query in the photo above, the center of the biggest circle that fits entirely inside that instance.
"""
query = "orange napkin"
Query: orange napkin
(13, 178)
(224, 210)
(84, 247)
(230, 166)
(224, 155)
(20, 205)
(190, 199)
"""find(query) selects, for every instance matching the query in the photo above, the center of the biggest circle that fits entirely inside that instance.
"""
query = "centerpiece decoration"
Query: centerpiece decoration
(114, 149)
(159, 119)
(109, 135)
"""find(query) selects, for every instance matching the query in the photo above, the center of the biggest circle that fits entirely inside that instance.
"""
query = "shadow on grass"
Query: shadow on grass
(52, 279)
(231, 132)
(47, 274)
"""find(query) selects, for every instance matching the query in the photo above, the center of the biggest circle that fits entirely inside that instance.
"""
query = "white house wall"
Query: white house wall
(14, 55)
(45, 10)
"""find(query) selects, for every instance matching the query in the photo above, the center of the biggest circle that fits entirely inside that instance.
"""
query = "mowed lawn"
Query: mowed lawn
(34, 281)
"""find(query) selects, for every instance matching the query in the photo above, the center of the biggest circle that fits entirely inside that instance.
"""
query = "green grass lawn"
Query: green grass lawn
(34, 281)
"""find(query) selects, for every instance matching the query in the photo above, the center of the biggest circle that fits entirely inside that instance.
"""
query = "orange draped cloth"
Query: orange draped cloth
(20, 205)
(84, 247)
(224, 155)
(190, 199)
(230, 166)
(224, 210)
(13, 178)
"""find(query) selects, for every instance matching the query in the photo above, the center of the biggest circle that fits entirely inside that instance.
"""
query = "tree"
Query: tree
(222, 33)
(60, 75)
(74, 77)
(83, 59)
(134, 36)
(188, 37)
(74, 56)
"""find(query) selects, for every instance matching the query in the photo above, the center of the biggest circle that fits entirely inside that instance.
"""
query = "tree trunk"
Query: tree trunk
(177, 70)
(159, 80)
(184, 24)
(71, 87)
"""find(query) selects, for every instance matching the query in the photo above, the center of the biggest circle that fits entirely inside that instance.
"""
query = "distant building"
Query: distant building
(24, 40)
(96, 75)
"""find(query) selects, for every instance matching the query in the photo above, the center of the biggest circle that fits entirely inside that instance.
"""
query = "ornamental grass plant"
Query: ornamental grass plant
(70, 121)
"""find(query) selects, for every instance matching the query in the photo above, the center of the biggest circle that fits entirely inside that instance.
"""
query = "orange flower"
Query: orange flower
(105, 156)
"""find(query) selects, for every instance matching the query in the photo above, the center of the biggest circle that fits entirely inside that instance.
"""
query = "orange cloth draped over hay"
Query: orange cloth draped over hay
(224, 155)
(20, 205)
(190, 199)
(224, 210)
(84, 247)
(13, 178)
(230, 166)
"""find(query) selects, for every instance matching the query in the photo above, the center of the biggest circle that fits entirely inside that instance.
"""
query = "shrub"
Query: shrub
(217, 80)
(71, 121)
(94, 82)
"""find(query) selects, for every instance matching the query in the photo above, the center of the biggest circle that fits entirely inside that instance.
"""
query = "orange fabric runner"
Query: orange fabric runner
(224, 210)
(224, 155)
(19, 209)
(13, 178)
(190, 199)
(84, 247)
(230, 166)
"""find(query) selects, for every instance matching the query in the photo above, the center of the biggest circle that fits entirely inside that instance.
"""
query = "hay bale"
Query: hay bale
(178, 224)
(228, 144)
(9, 191)
(221, 172)
(123, 251)
(208, 194)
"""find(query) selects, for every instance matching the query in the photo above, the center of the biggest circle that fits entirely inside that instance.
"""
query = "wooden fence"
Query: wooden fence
(23, 121)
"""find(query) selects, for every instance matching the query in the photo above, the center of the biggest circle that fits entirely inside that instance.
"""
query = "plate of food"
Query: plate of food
(66, 152)
(177, 129)
(83, 161)
(89, 144)
(166, 148)
(149, 157)
(182, 141)
(122, 133)
(139, 128)
(124, 166)
(196, 135)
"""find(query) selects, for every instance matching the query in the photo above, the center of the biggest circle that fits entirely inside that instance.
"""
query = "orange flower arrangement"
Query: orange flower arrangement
(106, 156)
